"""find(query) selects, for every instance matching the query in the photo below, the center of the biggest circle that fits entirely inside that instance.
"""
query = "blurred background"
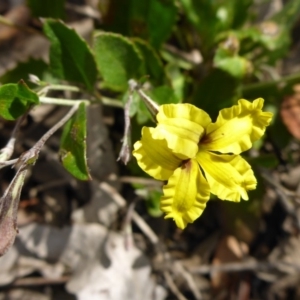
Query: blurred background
(106, 238)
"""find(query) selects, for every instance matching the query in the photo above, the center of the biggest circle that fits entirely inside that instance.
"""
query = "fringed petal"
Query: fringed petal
(237, 127)
(182, 125)
(185, 195)
(154, 157)
(229, 176)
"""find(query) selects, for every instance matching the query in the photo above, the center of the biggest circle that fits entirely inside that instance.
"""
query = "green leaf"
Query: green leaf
(236, 66)
(165, 13)
(204, 16)
(118, 60)
(210, 18)
(289, 14)
(70, 57)
(176, 60)
(116, 16)
(240, 12)
(152, 20)
(265, 160)
(178, 80)
(23, 69)
(16, 99)
(270, 40)
(163, 95)
(142, 114)
(153, 65)
(73, 145)
(153, 203)
(216, 91)
(279, 134)
(47, 8)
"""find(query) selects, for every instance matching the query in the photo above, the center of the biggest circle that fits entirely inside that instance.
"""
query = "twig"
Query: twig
(121, 202)
(56, 87)
(248, 265)
(152, 106)
(5, 21)
(194, 57)
(69, 102)
(172, 286)
(108, 101)
(111, 102)
(53, 129)
(150, 234)
(139, 221)
(48, 185)
(65, 102)
(140, 180)
(127, 228)
(189, 279)
(125, 152)
(7, 151)
(283, 195)
(9, 202)
(272, 83)
(270, 178)
(8, 163)
(38, 281)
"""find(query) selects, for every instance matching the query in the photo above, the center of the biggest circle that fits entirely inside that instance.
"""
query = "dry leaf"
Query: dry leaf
(228, 250)
(290, 112)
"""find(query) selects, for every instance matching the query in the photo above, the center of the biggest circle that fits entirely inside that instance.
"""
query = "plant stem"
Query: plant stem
(65, 102)
(70, 102)
(112, 102)
(262, 85)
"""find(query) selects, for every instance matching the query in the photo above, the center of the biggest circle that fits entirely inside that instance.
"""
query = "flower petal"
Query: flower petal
(182, 125)
(185, 195)
(154, 157)
(237, 127)
(229, 176)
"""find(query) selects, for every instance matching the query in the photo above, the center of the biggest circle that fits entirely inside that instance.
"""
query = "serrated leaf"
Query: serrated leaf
(153, 65)
(73, 145)
(16, 99)
(70, 57)
(118, 60)
(47, 8)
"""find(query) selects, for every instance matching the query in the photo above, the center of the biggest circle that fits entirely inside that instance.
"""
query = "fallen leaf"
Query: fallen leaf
(228, 250)
(290, 112)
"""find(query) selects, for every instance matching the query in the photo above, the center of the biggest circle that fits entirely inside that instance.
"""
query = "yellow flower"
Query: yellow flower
(198, 157)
